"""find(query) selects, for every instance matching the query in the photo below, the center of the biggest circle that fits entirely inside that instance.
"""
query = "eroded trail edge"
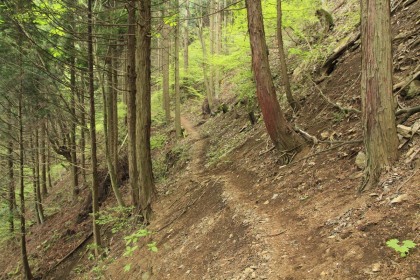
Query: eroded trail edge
(263, 230)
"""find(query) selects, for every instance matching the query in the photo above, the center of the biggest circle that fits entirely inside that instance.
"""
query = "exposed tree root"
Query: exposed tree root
(344, 109)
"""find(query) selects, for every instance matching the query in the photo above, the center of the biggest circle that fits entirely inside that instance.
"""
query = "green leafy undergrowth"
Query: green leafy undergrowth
(157, 141)
(131, 244)
(402, 249)
(132, 240)
(117, 217)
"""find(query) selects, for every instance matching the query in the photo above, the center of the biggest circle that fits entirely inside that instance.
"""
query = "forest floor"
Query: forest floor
(230, 208)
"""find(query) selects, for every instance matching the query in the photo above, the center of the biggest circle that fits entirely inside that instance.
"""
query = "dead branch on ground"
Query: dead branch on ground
(408, 112)
(344, 109)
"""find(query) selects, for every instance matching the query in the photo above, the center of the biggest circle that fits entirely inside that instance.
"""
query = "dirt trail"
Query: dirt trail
(264, 230)
(199, 147)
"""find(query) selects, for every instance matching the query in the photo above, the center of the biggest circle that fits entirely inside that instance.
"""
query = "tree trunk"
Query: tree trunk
(218, 45)
(186, 37)
(114, 108)
(109, 130)
(131, 103)
(72, 144)
(212, 48)
(283, 66)
(12, 195)
(143, 99)
(43, 149)
(225, 46)
(94, 161)
(281, 133)
(35, 188)
(37, 184)
(207, 81)
(165, 68)
(82, 141)
(380, 133)
(177, 93)
(48, 159)
(27, 275)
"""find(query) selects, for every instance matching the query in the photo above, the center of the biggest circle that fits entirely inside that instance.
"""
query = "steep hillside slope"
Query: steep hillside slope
(230, 208)
(238, 213)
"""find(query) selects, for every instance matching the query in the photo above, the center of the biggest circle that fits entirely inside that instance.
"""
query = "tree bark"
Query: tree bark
(48, 159)
(281, 133)
(82, 140)
(12, 195)
(143, 104)
(283, 66)
(35, 164)
(27, 275)
(212, 42)
(186, 37)
(109, 131)
(43, 149)
(378, 115)
(207, 82)
(218, 45)
(131, 103)
(177, 93)
(94, 160)
(72, 144)
(165, 68)
(114, 108)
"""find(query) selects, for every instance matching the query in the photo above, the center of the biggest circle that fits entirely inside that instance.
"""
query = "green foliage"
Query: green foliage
(127, 267)
(152, 247)
(116, 217)
(132, 240)
(402, 249)
(134, 237)
(159, 167)
(16, 271)
(339, 116)
(98, 270)
(157, 141)
(158, 115)
(4, 223)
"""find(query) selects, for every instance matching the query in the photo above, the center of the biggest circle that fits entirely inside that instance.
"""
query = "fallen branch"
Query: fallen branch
(408, 179)
(408, 3)
(69, 254)
(396, 6)
(402, 85)
(275, 234)
(344, 109)
(266, 151)
(408, 112)
(330, 62)
(306, 135)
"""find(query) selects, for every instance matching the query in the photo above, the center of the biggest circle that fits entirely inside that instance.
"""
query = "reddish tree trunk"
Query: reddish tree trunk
(380, 133)
(281, 133)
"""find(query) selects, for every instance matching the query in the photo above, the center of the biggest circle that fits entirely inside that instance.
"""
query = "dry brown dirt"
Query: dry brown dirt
(233, 211)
